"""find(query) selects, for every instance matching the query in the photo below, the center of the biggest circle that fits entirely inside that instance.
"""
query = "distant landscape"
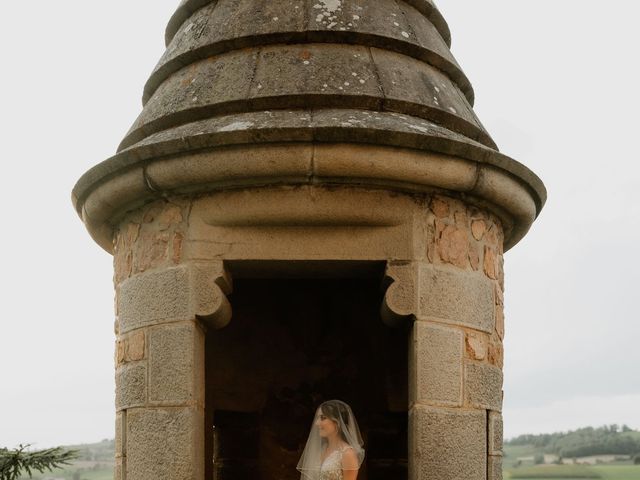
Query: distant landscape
(609, 452)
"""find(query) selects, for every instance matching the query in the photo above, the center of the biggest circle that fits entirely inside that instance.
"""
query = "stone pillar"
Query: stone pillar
(456, 348)
(163, 307)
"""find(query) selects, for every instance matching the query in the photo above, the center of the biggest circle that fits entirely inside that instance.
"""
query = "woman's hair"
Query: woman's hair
(336, 411)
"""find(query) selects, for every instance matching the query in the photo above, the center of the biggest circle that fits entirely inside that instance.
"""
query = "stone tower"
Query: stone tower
(308, 208)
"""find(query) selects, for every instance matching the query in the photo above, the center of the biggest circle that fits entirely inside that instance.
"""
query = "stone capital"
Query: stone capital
(400, 301)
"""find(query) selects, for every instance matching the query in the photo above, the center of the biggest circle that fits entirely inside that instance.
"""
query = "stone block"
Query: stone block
(174, 362)
(121, 427)
(494, 468)
(131, 389)
(483, 386)
(495, 433)
(495, 353)
(207, 84)
(165, 444)
(135, 347)
(118, 468)
(458, 297)
(153, 298)
(447, 444)
(316, 71)
(417, 88)
(436, 365)
(476, 345)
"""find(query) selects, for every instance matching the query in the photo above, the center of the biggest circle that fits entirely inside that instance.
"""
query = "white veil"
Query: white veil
(310, 462)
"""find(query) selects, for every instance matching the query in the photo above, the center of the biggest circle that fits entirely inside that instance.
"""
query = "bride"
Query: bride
(334, 448)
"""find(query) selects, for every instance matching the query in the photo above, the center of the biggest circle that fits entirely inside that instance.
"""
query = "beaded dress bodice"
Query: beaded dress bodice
(331, 468)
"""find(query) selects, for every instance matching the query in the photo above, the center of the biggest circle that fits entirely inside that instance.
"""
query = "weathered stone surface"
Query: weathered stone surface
(500, 321)
(119, 468)
(452, 244)
(135, 346)
(173, 363)
(321, 70)
(496, 352)
(212, 83)
(165, 443)
(478, 229)
(154, 250)
(483, 386)
(435, 433)
(474, 257)
(440, 207)
(419, 89)
(131, 386)
(121, 428)
(457, 297)
(232, 24)
(400, 300)
(155, 297)
(436, 365)
(476, 345)
(495, 433)
(494, 468)
(490, 263)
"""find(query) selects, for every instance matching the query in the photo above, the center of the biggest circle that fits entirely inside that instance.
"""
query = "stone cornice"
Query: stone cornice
(347, 147)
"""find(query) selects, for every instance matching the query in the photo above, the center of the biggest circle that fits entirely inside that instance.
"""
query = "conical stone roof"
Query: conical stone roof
(276, 72)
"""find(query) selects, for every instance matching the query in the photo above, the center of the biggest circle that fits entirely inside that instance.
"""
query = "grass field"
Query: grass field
(560, 472)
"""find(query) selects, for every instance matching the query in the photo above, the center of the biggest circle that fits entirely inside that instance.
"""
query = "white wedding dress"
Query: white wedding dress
(331, 468)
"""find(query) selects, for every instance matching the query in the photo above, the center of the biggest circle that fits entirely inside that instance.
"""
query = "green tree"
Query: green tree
(14, 463)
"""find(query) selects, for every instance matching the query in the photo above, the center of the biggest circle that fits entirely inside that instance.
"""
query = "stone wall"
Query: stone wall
(449, 290)
(159, 351)
(456, 368)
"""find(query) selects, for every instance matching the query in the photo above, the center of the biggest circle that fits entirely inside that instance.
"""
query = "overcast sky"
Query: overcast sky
(556, 86)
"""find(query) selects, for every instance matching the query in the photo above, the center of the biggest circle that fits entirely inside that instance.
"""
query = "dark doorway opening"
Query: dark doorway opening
(292, 344)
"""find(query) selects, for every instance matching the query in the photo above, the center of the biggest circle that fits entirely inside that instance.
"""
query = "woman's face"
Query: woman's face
(326, 426)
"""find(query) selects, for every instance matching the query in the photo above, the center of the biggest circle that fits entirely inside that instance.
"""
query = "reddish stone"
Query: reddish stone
(440, 207)
(135, 347)
(490, 263)
(478, 229)
(500, 321)
(453, 246)
(120, 352)
(496, 353)
(491, 236)
(499, 295)
(171, 215)
(476, 346)
(178, 239)
(462, 221)
(474, 257)
(152, 252)
(431, 245)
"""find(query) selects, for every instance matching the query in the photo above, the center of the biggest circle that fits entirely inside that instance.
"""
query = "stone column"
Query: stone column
(455, 362)
(163, 308)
